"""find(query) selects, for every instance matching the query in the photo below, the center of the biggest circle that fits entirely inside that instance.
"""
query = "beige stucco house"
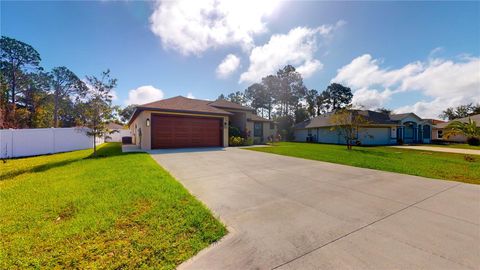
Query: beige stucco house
(183, 122)
(438, 130)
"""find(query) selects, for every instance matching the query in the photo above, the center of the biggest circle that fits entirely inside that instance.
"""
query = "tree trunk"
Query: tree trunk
(55, 110)
(94, 145)
(14, 85)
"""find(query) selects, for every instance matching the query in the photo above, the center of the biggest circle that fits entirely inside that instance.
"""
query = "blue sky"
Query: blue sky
(408, 56)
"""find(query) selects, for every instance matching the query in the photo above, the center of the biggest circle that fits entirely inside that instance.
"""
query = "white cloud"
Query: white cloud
(229, 64)
(144, 94)
(114, 95)
(371, 98)
(309, 67)
(193, 26)
(444, 82)
(296, 48)
(190, 95)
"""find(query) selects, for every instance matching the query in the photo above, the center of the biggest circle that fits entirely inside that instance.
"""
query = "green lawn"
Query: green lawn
(422, 163)
(456, 145)
(117, 211)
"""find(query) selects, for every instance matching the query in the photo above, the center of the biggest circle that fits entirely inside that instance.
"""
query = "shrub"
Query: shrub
(400, 141)
(249, 141)
(234, 132)
(236, 141)
(469, 158)
(473, 141)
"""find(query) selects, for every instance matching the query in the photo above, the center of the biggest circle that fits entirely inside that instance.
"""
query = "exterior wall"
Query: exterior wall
(375, 136)
(140, 123)
(301, 135)
(456, 138)
(267, 132)
(367, 136)
(239, 119)
(326, 135)
(249, 129)
(41, 141)
(146, 141)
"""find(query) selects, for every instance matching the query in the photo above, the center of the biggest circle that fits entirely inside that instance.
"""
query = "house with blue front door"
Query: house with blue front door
(378, 129)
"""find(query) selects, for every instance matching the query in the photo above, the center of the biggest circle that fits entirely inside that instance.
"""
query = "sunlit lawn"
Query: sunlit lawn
(118, 211)
(456, 167)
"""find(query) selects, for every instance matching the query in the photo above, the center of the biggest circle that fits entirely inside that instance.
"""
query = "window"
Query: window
(440, 134)
(257, 129)
(272, 125)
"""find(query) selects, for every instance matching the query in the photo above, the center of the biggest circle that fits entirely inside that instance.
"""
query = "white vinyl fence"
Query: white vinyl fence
(117, 136)
(40, 141)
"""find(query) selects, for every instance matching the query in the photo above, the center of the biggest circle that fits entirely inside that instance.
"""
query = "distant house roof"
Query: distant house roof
(371, 117)
(188, 105)
(434, 121)
(256, 118)
(475, 118)
(113, 126)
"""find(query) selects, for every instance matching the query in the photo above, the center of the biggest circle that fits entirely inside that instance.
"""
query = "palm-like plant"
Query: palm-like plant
(469, 129)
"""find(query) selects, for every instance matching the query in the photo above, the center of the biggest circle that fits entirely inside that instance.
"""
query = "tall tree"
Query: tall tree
(127, 112)
(15, 57)
(96, 109)
(236, 97)
(301, 114)
(311, 98)
(64, 84)
(256, 95)
(337, 97)
(460, 111)
(35, 101)
(323, 103)
(290, 91)
(222, 97)
(270, 83)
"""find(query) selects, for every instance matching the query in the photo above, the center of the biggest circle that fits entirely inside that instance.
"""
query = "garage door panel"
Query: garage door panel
(174, 131)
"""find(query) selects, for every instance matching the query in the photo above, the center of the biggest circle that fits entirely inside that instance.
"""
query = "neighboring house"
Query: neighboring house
(119, 131)
(183, 122)
(439, 130)
(380, 129)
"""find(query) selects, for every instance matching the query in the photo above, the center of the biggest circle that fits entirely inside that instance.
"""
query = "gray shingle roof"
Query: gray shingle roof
(325, 120)
(257, 118)
(183, 104)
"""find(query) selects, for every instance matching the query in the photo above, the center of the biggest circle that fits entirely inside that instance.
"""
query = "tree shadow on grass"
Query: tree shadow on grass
(104, 151)
(38, 168)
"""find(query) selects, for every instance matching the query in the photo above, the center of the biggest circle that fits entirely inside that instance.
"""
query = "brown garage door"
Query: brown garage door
(179, 131)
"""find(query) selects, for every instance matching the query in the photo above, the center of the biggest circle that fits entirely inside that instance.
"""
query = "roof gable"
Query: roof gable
(184, 104)
(401, 116)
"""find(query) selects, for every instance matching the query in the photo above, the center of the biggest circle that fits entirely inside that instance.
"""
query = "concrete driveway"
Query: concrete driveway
(291, 213)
